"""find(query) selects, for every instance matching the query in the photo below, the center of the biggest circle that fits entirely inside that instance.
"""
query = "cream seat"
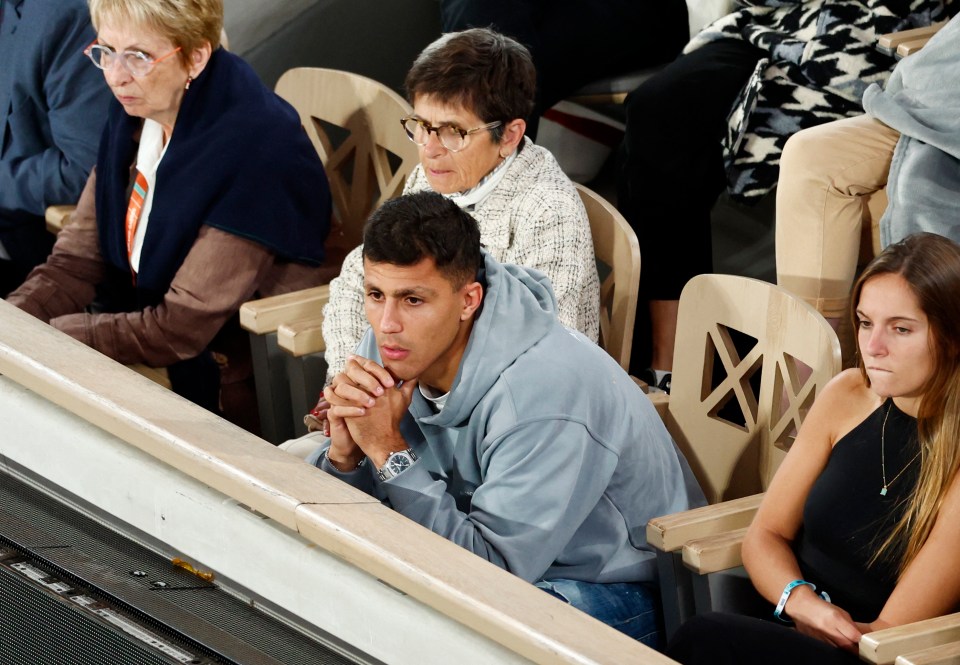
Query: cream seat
(354, 123)
(750, 358)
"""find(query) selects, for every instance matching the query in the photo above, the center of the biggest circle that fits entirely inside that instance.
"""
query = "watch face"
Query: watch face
(398, 462)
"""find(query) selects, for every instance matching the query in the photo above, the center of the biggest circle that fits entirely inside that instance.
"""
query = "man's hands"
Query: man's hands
(365, 407)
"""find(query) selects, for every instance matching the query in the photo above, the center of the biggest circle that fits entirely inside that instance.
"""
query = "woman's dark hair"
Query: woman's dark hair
(487, 73)
(930, 265)
(408, 229)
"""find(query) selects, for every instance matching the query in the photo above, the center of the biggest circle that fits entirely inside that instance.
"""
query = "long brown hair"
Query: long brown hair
(930, 265)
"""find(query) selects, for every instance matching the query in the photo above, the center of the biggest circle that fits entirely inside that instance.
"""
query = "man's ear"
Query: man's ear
(199, 59)
(472, 297)
(512, 135)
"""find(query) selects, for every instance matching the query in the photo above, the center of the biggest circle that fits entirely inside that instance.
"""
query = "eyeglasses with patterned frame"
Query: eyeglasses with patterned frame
(138, 63)
(451, 137)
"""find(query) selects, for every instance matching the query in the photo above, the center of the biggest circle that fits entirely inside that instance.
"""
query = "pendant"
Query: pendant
(883, 491)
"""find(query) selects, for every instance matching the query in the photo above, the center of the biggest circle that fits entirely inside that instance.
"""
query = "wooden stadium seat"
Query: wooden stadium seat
(618, 262)
(354, 123)
(749, 359)
(57, 217)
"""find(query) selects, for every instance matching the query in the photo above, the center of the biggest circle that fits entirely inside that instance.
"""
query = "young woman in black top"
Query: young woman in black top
(865, 510)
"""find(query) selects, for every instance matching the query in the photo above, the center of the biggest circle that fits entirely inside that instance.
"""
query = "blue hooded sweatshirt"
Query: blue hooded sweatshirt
(922, 102)
(546, 458)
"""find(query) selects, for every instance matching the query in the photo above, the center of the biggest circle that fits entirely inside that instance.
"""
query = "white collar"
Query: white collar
(152, 148)
(435, 397)
(469, 199)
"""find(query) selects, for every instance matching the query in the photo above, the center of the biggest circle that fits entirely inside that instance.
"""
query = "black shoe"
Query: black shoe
(664, 384)
(649, 377)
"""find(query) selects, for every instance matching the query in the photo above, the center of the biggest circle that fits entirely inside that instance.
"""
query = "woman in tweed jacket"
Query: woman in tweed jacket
(471, 91)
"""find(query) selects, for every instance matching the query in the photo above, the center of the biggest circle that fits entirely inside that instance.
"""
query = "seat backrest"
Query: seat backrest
(354, 123)
(618, 262)
(749, 359)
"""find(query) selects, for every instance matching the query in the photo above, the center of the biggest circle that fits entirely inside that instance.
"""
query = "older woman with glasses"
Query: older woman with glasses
(206, 191)
(470, 92)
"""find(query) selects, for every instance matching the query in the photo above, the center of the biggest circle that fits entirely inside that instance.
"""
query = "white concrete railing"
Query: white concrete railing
(231, 503)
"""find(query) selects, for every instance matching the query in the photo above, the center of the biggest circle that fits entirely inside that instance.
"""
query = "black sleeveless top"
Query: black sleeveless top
(846, 519)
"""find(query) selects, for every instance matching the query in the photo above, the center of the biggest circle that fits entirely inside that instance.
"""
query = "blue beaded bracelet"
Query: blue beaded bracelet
(787, 590)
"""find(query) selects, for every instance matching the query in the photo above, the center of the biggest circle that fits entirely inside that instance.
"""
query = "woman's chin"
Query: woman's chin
(134, 108)
(129, 104)
(444, 183)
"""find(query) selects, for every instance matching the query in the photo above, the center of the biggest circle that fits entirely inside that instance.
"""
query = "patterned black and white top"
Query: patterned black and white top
(822, 55)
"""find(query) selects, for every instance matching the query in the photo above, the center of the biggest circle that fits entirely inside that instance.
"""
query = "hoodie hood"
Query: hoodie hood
(521, 302)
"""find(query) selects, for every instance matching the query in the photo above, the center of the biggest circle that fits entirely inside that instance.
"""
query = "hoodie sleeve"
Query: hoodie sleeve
(541, 480)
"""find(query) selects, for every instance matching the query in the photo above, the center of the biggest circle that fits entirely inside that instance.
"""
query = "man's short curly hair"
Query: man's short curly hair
(408, 229)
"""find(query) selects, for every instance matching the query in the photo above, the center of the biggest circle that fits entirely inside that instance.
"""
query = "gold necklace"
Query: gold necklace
(883, 460)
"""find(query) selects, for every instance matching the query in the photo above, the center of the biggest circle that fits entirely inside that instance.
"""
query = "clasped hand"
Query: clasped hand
(366, 407)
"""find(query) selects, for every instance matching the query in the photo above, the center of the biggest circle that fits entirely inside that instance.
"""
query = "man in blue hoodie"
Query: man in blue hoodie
(471, 410)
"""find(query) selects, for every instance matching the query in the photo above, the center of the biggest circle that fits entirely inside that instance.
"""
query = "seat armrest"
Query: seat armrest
(57, 217)
(714, 553)
(883, 646)
(945, 654)
(672, 532)
(890, 42)
(911, 46)
(661, 400)
(266, 314)
(303, 337)
(158, 375)
(642, 385)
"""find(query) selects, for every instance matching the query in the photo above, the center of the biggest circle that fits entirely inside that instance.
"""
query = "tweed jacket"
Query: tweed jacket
(533, 218)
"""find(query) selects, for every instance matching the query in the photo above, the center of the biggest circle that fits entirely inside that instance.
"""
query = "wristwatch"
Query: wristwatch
(397, 463)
